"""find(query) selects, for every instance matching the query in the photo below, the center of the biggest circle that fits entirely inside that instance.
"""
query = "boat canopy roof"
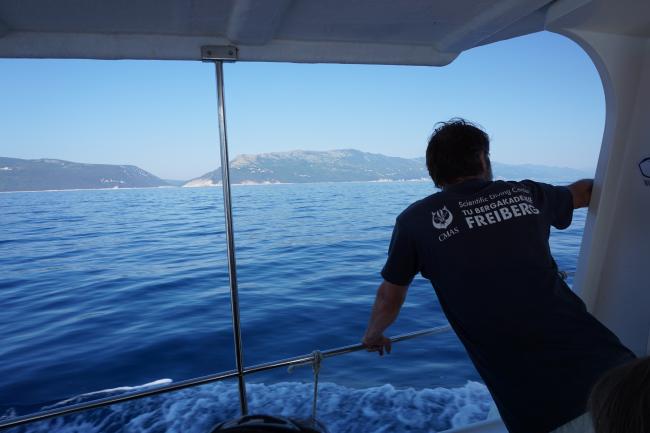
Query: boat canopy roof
(413, 32)
(420, 32)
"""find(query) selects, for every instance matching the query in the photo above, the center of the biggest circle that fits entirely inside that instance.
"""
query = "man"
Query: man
(484, 247)
(620, 401)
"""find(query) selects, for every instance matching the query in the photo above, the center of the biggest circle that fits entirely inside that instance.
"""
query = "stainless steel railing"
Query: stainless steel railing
(176, 386)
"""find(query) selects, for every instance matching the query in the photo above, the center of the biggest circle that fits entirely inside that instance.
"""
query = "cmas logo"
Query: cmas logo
(442, 218)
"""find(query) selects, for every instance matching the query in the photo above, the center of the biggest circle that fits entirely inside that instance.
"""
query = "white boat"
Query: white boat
(612, 274)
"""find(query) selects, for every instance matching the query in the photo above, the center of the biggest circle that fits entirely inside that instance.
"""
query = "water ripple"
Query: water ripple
(107, 288)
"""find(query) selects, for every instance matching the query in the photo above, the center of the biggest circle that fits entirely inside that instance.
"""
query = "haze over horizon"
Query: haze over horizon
(298, 167)
(307, 155)
(541, 90)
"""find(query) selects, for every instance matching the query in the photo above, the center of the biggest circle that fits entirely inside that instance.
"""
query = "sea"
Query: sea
(110, 291)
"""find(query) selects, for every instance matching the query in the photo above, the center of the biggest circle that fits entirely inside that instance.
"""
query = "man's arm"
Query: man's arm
(388, 302)
(581, 192)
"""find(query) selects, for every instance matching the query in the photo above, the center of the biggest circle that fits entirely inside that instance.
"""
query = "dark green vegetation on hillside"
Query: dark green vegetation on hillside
(348, 165)
(54, 174)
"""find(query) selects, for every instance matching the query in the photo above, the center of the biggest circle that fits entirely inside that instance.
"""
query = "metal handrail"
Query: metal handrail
(307, 359)
(203, 380)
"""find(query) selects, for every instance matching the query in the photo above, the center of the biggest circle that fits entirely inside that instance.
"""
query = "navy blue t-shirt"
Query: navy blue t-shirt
(484, 247)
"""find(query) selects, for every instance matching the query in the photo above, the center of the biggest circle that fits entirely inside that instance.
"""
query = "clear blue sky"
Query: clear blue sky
(539, 97)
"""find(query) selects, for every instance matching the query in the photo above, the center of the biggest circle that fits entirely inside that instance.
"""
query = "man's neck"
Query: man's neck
(464, 179)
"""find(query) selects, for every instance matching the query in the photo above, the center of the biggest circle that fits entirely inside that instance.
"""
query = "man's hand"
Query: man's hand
(377, 343)
(581, 192)
(388, 302)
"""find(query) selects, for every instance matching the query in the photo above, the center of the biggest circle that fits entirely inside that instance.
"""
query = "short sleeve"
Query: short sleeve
(402, 263)
(557, 202)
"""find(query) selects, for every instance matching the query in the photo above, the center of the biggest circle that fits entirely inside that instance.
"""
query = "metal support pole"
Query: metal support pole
(230, 238)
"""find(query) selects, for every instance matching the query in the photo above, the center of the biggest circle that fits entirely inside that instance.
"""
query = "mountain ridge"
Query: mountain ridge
(296, 166)
(341, 165)
(56, 174)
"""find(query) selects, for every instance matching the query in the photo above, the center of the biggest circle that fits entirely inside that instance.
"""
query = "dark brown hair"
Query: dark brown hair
(455, 150)
(620, 400)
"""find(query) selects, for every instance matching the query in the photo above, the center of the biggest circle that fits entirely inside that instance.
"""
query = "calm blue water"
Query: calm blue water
(120, 288)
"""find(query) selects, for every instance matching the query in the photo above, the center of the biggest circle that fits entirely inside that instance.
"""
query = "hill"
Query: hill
(348, 165)
(55, 174)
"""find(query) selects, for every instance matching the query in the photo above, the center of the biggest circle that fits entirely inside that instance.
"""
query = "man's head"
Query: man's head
(620, 400)
(458, 150)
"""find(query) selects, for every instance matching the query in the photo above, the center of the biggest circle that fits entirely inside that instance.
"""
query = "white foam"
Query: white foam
(105, 392)
(198, 183)
(341, 409)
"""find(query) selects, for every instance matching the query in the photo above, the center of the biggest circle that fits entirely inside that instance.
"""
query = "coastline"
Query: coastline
(246, 184)
(90, 189)
(219, 184)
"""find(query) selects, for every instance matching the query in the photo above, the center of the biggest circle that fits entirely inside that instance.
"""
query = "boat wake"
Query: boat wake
(341, 409)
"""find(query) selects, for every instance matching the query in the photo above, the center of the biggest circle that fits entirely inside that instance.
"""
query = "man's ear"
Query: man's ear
(487, 165)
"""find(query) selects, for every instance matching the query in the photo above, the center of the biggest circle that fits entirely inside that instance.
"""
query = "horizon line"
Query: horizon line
(581, 169)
